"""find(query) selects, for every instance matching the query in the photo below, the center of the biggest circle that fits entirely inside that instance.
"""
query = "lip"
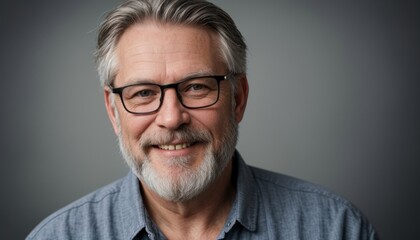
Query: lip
(176, 149)
(172, 147)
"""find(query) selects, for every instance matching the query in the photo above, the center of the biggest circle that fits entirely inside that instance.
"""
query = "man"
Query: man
(175, 89)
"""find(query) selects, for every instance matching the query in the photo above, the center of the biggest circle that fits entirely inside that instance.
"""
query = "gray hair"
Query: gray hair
(186, 12)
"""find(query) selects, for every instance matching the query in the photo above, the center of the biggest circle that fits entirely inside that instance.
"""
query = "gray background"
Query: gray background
(334, 100)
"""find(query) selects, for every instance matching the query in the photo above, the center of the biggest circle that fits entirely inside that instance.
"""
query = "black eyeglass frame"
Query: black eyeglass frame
(120, 90)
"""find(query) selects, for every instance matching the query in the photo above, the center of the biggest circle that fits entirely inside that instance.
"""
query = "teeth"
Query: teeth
(174, 147)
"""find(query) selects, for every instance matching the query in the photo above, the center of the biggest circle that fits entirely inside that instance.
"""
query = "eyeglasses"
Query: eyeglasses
(193, 93)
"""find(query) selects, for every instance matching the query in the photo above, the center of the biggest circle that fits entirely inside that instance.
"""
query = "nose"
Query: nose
(171, 114)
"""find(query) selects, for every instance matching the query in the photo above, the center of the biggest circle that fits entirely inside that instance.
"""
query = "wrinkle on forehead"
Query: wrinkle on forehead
(168, 51)
(159, 36)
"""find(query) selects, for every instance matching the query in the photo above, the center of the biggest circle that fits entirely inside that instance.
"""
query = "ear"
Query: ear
(110, 109)
(241, 97)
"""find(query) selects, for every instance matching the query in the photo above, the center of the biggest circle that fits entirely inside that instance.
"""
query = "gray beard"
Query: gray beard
(189, 182)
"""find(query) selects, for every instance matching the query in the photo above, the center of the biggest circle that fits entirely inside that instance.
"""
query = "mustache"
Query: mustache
(183, 134)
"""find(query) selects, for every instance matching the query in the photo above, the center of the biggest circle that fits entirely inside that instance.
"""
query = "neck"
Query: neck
(202, 216)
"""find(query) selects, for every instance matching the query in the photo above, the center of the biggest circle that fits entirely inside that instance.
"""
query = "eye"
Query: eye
(197, 87)
(144, 93)
(141, 92)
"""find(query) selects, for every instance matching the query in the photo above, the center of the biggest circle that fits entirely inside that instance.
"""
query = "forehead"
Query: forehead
(167, 52)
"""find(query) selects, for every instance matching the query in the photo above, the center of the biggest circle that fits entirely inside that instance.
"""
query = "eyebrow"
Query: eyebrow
(186, 77)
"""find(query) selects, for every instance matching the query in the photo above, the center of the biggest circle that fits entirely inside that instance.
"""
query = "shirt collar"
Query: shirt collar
(245, 208)
(132, 212)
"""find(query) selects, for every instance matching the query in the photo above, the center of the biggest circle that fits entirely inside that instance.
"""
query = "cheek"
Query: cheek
(215, 120)
(133, 127)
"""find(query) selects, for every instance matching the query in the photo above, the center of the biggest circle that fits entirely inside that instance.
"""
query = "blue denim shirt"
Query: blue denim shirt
(267, 206)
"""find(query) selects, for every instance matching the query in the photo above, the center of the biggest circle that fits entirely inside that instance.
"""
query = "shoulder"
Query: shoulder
(90, 209)
(308, 204)
(275, 183)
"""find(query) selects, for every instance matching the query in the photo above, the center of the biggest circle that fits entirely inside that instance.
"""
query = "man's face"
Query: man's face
(175, 145)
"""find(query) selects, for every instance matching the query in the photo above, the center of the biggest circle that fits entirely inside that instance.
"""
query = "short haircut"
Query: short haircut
(199, 13)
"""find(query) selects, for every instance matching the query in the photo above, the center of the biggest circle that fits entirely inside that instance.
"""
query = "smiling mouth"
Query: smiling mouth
(174, 146)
